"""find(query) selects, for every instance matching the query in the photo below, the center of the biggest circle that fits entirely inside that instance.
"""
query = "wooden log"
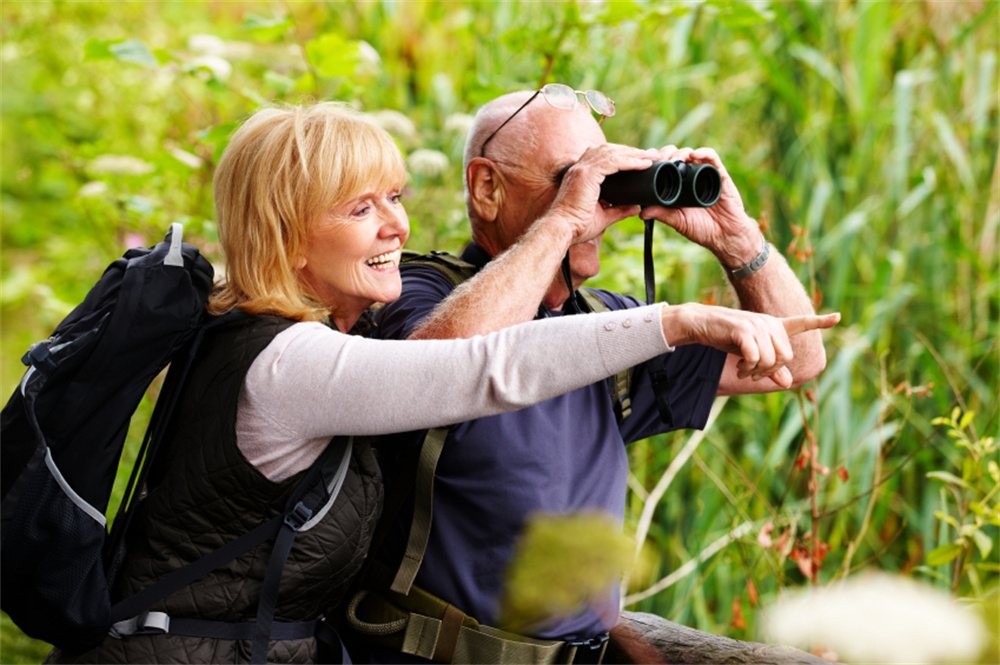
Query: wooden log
(647, 638)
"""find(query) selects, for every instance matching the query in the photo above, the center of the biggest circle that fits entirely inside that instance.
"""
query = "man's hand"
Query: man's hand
(576, 203)
(724, 229)
(761, 342)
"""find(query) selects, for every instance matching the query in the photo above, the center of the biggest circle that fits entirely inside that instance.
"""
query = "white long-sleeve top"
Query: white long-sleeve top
(312, 382)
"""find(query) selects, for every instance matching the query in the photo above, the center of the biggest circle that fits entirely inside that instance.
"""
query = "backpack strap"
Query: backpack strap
(421, 624)
(619, 385)
(311, 499)
(458, 271)
(423, 510)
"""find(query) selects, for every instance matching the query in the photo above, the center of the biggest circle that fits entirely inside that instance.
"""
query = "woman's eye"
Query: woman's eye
(361, 210)
(394, 198)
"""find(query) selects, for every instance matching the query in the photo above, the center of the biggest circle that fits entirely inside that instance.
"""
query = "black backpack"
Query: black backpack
(61, 439)
(63, 431)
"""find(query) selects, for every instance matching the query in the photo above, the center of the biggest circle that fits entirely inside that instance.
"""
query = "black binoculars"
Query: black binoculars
(669, 184)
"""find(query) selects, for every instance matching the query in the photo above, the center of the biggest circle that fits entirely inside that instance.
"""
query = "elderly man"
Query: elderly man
(527, 210)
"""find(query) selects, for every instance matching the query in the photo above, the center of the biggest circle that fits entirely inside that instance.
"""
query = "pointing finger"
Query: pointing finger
(795, 325)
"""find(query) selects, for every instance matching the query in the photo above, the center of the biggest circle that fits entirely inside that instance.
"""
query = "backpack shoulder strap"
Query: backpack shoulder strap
(619, 385)
(452, 267)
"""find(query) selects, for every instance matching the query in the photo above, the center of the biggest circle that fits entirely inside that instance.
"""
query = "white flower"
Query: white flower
(878, 618)
(458, 123)
(185, 157)
(92, 189)
(220, 68)
(428, 163)
(207, 45)
(119, 165)
(370, 59)
(395, 123)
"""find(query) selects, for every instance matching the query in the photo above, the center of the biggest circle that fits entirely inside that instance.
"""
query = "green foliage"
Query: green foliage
(863, 136)
(974, 513)
(561, 564)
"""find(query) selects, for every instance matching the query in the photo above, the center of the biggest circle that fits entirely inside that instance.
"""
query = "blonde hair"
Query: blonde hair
(282, 169)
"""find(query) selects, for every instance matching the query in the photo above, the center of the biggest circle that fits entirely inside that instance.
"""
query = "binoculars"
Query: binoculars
(669, 184)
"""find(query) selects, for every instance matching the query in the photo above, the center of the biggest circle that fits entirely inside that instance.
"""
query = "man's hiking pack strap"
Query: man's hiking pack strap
(619, 385)
(423, 510)
(484, 642)
(423, 625)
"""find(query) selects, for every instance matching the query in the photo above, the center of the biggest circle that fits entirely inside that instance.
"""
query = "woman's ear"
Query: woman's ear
(485, 188)
(299, 262)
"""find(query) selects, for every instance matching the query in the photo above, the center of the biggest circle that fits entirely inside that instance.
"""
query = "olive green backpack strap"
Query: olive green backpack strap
(423, 510)
(458, 271)
(448, 265)
(619, 385)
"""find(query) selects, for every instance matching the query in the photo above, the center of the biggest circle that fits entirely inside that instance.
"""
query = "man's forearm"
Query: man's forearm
(505, 292)
(775, 290)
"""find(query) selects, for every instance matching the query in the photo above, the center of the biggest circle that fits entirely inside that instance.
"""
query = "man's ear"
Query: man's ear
(485, 188)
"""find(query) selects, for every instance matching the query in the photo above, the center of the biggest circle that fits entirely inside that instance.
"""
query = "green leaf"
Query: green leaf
(333, 56)
(139, 205)
(930, 572)
(96, 49)
(949, 478)
(983, 542)
(266, 29)
(280, 83)
(621, 10)
(940, 556)
(217, 133)
(994, 470)
(967, 418)
(741, 14)
(134, 51)
(941, 420)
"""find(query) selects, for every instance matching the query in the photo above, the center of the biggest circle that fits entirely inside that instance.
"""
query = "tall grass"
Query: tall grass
(863, 136)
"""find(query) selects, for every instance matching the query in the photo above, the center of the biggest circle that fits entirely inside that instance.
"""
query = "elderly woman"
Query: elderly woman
(307, 200)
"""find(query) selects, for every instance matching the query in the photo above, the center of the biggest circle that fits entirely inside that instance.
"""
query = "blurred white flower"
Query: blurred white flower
(395, 123)
(878, 618)
(427, 163)
(185, 157)
(458, 123)
(213, 45)
(207, 44)
(370, 59)
(119, 165)
(92, 189)
(220, 68)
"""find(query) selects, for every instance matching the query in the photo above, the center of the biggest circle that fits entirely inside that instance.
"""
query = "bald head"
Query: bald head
(536, 143)
(491, 116)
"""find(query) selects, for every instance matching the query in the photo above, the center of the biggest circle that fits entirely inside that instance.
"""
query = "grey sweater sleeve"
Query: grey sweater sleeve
(312, 383)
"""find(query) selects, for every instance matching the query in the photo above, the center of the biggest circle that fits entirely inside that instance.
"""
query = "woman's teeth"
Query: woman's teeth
(384, 261)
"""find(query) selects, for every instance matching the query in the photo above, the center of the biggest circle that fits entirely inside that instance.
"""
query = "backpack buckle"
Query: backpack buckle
(587, 651)
(298, 516)
(145, 623)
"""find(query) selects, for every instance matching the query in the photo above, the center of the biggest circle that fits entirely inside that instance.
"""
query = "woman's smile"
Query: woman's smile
(386, 262)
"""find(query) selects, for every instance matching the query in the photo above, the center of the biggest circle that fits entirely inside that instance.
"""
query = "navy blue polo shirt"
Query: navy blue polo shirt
(561, 456)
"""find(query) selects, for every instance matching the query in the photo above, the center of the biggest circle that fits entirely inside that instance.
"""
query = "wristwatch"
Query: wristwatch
(745, 271)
